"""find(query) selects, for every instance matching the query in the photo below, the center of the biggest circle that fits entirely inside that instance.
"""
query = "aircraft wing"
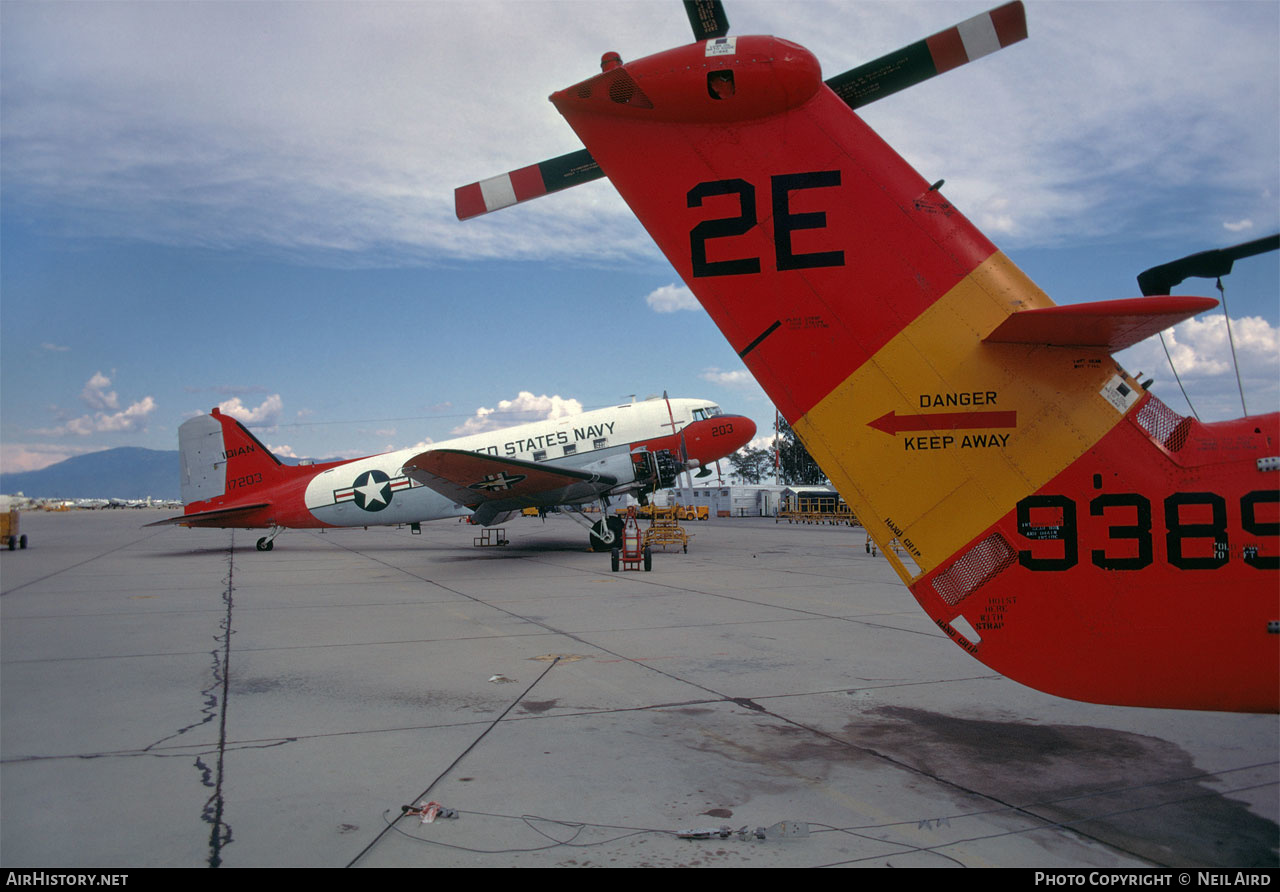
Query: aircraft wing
(222, 517)
(495, 484)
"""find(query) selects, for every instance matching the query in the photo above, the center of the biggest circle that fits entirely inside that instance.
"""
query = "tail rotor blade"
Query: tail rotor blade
(529, 182)
(707, 18)
(971, 39)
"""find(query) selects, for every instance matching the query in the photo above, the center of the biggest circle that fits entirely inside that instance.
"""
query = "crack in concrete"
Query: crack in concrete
(212, 776)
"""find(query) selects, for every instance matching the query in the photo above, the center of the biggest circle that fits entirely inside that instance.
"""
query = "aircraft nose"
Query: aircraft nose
(741, 431)
(715, 438)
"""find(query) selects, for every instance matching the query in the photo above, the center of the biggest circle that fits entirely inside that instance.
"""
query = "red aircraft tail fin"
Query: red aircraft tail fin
(222, 461)
(1015, 481)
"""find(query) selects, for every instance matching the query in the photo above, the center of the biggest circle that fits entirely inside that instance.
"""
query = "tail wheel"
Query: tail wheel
(265, 544)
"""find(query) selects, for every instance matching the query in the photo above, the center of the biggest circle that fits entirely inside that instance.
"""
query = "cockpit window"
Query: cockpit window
(706, 412)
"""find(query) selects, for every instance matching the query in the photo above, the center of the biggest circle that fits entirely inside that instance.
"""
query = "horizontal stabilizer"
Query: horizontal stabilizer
(1109, 325)
(504, 484)
(222, 517)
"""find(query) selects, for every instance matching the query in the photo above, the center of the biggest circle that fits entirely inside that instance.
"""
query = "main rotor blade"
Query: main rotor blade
(971, 39)
(529, 182)
(1204, 265)
(707, 18)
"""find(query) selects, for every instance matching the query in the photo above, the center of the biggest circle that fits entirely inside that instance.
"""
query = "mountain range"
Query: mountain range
(128, 472)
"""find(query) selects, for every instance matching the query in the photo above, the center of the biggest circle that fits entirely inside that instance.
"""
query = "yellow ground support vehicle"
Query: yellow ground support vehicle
(9, 534)
(665, 528)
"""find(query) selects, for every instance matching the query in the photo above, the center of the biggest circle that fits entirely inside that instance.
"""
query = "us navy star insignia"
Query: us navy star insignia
(372, 490)
(497, 482)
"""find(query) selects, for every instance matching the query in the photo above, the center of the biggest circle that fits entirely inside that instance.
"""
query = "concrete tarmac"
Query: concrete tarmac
(172, 697)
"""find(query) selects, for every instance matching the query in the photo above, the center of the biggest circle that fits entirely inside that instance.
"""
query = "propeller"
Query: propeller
(971, 39)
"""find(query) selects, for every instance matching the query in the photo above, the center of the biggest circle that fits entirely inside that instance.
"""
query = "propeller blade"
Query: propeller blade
(1206, 265)
(971, 39)
(529, 182)
(707, 18)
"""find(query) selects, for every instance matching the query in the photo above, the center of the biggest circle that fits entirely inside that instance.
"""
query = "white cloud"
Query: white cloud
(1238, 226)
(283, 450)
(1201, 354)
(735, 378)
(54, 348)
(18, 457)
(96, 395)
(133, 418)
(266, 413)
(283, 126)
(670, 298)
(524, 408)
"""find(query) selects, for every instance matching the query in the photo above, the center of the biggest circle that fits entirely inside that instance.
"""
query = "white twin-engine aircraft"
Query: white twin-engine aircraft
(230, 479)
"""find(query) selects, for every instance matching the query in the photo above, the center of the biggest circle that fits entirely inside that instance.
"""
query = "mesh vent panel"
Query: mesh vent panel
(1164, 425)
(979, 565)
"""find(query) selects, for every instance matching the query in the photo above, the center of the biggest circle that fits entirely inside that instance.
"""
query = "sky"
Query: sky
(250, 205)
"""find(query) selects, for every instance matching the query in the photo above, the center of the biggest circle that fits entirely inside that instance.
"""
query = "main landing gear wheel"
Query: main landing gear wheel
(265, 544)
(614, 525)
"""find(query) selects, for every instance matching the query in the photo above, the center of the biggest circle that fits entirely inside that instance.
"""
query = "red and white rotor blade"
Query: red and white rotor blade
(529, 182)
(972, 39)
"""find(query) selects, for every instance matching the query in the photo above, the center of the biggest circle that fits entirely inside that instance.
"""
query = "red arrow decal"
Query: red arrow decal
(891, 422)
